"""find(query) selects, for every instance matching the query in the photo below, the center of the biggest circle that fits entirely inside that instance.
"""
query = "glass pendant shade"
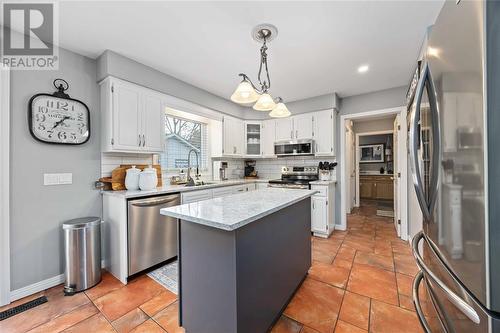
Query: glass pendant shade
(264, 103)
(245, 94)
(280, 111)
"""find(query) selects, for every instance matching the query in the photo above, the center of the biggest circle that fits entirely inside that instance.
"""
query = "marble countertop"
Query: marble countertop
(167, 188)
(234, 211)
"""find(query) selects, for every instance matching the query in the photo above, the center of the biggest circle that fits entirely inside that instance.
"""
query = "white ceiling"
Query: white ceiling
(318, 49)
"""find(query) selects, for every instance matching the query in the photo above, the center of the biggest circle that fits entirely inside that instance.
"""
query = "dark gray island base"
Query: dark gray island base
(241, 280)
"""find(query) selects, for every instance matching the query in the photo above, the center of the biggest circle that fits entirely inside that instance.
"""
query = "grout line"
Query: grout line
(370, 315)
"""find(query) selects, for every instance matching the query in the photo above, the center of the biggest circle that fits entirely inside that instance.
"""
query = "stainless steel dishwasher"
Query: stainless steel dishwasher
(152, 237)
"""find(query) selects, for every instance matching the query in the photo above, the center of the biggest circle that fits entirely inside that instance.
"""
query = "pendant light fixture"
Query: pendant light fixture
(247, 93)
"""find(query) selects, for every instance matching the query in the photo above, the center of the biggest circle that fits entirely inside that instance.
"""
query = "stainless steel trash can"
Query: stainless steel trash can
(82, 253)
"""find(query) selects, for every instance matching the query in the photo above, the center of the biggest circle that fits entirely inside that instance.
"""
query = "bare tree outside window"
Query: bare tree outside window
(186, 129)
(182, 135)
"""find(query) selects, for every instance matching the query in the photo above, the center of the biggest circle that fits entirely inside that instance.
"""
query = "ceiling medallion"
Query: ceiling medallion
(247, 93)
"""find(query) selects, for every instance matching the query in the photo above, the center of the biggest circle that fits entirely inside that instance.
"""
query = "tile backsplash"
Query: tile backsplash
(235, 167)
(271, 168)
(267, 168)
(110, 161)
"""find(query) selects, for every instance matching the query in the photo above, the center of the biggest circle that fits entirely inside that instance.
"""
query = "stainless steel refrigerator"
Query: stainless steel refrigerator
(454, 149)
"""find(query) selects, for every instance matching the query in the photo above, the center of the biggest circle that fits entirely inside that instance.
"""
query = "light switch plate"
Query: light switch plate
(65, 178)
(50, 179)
(57, 179)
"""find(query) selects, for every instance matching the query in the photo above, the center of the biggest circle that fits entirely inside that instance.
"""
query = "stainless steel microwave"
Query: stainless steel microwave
(294, 147)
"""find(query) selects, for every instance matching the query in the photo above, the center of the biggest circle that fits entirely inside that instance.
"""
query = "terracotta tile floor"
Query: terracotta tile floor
(360, 281)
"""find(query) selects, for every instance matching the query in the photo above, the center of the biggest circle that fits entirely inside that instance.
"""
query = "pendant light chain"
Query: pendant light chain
(265, 86)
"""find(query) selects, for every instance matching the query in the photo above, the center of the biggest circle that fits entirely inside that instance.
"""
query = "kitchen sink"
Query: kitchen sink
(199, 184)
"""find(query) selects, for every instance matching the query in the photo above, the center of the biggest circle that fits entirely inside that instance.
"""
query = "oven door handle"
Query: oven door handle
(416, 302)
(463, 306)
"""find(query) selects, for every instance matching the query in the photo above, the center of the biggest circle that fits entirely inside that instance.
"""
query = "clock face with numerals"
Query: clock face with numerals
(58, 120)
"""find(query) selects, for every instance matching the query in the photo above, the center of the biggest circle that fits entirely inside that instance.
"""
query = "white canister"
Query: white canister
(148, 180)
(132, 179)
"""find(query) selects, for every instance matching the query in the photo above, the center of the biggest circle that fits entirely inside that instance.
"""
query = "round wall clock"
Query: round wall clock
(57, 118)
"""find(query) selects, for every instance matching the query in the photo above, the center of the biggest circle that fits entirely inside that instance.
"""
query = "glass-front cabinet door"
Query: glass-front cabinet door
(253, 139)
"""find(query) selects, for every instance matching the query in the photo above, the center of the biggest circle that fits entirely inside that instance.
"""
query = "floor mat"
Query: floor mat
(167, 276)
(385, 209)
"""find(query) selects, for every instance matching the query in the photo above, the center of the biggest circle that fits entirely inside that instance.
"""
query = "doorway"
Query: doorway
(373, 165)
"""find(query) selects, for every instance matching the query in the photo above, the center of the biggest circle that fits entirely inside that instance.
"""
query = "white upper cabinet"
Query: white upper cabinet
(153, 123)
(284, 129)
(268, 137)
(253, 138)
(294, 128)
(233, 134)
(324, 132)
(303, 126)
(126, 117)
(132, 118)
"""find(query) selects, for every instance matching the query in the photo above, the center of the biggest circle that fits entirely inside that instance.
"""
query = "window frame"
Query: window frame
(205, 142)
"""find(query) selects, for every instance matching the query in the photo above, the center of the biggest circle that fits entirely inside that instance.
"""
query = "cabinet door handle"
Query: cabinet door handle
(143, 140)
(314, 207)
(140, 140)
(296, 134)
(291, 134)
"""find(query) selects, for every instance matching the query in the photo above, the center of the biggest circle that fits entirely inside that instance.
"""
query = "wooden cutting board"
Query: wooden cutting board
(118, 175)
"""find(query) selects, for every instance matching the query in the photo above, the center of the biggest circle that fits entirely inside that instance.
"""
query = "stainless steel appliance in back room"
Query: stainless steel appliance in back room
(454, 152)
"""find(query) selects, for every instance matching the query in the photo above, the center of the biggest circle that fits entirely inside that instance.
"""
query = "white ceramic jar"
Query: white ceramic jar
(148, 180)
(132, 179)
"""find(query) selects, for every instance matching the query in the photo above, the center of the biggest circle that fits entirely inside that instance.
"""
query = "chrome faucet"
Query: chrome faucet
(190, 180)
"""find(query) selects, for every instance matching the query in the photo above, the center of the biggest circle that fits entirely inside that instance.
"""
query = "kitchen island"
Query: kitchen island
(241, 258)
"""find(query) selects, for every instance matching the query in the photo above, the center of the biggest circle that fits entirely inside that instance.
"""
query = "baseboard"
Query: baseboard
(36, 287)
(40, 286)
(340, 227)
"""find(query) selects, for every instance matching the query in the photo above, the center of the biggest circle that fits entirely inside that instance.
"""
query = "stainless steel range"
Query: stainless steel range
(296, 177)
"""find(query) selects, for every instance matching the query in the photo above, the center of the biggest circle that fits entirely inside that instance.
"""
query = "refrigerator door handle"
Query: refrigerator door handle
(463, 306)
(416, 302)
(436, 140)
(426, 206)
(413, 149)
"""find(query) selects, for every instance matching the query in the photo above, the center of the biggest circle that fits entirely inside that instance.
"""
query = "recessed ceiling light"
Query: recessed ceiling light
(363, 69)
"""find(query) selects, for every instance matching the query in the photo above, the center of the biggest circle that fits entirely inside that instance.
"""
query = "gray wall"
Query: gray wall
(37, 211)
(114, 64)
(316, 103)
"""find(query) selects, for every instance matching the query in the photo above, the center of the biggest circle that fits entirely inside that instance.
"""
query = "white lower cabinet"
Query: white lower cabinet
(193, 196)
(222, 191)
(322, 210)
(319, 214)
(199, 195)
(259, 186)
